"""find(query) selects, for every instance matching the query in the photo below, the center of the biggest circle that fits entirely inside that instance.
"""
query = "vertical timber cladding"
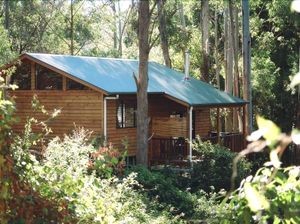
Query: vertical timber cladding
(78, 108)
(202, 122)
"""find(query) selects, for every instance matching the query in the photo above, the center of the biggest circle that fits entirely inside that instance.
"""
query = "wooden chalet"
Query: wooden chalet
(99, 94)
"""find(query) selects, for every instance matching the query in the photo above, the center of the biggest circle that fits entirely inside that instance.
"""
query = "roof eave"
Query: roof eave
(237, 104)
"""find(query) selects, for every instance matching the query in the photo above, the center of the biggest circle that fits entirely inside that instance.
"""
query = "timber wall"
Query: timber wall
(160, 109)
(83, 108)
(202, 122)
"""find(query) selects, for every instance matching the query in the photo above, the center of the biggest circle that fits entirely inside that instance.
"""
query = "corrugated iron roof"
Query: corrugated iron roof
(115, 76)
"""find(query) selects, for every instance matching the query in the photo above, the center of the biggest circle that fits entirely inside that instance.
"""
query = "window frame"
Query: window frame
(123, 113)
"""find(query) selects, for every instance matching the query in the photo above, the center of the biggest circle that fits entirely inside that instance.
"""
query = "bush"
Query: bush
(214, 167)
(62, 177)
(165, 186)
(107, 162)
(264, 201)
(163, 189)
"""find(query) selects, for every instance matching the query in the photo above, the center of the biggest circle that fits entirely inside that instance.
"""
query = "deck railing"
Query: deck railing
(167, 150)
(164, 150)
(233, 141)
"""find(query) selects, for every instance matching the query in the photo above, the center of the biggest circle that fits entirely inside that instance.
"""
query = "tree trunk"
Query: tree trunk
(234, 41)
(205, 40)
(142, 84)
(120, 49)
(72, 30)
(247, 65)
(229, 63)
(163, 33)
(216, 50)
(181, 14)
(113, 7)
(183, 26)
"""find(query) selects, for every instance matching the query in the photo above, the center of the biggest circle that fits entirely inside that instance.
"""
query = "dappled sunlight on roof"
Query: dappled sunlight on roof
(115, 76)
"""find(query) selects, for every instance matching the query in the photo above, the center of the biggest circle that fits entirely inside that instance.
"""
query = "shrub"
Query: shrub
(107, 162)
(214, 167)
(275, 201)
(272, 195)
(165, 187)
(62, 177)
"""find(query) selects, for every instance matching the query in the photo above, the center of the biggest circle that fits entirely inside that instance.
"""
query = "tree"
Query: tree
(205, 40)
(247, 65)
(163, 33)
(142, 83)
(216, 49)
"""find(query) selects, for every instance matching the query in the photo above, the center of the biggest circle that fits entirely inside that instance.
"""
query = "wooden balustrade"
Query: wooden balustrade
(164, 150)
(233, 141)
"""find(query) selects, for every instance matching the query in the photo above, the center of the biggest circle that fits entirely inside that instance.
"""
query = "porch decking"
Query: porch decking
(176, 151)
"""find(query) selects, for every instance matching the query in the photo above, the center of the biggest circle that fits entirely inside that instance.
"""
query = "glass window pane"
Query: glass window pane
(129, 117)
(47, 79)
(73, 85)
(126, 115)
(22, 76)
(120, 116)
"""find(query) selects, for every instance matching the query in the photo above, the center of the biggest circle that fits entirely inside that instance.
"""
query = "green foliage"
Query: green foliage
(274, 201)
(62, 177)
(272, 195)
(5, 52)
(214, 167)
(7, 109)
(167, 188)
(107, 162)
(275, 41)
(264, 76)
(163, 188)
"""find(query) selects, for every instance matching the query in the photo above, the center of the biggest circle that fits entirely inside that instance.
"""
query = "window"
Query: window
(176, 114)
(73, 85)
(126, 115)
(22, 77)
(47, 79)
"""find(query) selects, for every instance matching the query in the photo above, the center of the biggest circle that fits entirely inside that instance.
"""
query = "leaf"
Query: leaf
(269, 129)
(256, 201)
(296, 79)
(296, 136)
(295, 6)
(274, 159)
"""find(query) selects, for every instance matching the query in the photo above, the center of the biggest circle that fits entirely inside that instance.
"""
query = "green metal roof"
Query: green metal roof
(115, 76)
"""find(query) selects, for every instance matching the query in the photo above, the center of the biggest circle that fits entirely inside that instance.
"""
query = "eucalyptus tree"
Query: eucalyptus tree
(142, 83)
(164, 42)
